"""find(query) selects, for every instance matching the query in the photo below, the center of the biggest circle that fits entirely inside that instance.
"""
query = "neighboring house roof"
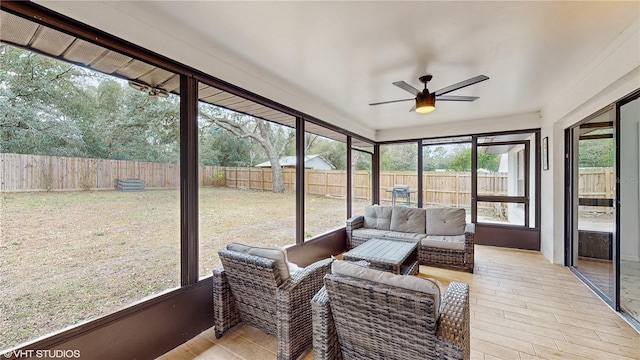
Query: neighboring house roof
(310, 161)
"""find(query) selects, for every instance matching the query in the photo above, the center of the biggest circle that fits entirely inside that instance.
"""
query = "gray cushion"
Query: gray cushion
(402, 236)
(451, 242)
(408, 220)
(364, 233)
(377, 217)
(278, 255)
(408, 282)
(445, 221)
(293, 267)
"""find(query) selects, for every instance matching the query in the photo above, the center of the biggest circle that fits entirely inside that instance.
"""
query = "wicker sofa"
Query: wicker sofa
(444, 237)
(256, 286)
(370, 314)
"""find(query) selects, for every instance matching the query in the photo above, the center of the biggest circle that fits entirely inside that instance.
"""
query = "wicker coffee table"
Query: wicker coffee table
(396, 256)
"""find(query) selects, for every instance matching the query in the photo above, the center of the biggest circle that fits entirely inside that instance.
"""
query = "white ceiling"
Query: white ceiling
(331, 59)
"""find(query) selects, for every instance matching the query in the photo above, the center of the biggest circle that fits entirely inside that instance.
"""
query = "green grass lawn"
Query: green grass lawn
(72, 256)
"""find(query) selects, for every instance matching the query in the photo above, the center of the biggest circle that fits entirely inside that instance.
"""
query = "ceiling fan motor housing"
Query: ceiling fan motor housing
(426, 101)
(425, 79)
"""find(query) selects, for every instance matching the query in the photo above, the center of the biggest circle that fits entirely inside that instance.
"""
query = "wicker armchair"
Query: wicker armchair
(360, 319)
(250, 289)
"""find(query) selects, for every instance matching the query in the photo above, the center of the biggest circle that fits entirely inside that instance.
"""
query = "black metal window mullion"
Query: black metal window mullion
(527, 171)
(538, 187)
(420, 172)
(474, 179)
(509, 199)
(350, 174)
(300, 145)
(188, 180)
(375, 164)
(616, 208)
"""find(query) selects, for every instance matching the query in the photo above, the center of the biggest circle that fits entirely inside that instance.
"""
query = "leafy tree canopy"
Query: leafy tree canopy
(596, 153)
(462, 161)
(48, 107)
(402, 157)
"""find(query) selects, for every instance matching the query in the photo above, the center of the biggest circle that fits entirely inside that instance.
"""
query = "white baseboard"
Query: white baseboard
(630, 258)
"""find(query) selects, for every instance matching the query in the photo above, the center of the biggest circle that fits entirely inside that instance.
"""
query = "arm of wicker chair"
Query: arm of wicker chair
(453, 337)
(469, 234)
(325, 338)
(294, 309)
(470, 228)
(353, 223)
(224, 307)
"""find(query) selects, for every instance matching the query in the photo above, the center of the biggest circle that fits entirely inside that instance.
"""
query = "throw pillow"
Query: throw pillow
(408, 220)
(377, 217)
(446, 221)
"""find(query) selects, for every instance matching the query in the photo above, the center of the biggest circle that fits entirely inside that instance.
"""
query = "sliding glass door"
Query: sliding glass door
(629, 200)
(603, 201)
(592, 170)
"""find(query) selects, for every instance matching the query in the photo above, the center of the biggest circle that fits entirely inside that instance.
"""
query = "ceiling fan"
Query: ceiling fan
(426, 101)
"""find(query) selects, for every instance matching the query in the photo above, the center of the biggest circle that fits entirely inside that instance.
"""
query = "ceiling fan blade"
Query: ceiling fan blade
(404, 86)
(413, 108)
(456, 98)
(461, 84)
(391, 101)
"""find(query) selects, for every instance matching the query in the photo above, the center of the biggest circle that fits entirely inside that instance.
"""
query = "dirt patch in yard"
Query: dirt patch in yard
(70, 257)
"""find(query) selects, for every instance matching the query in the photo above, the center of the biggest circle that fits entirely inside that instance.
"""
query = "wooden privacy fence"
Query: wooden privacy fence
(20, 172)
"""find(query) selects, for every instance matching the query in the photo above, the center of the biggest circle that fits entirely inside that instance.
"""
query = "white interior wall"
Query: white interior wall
(524, 121)
(629, 186)
(613, 74)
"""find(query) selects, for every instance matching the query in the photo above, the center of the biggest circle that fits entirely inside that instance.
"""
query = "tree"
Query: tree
(402, 157)
(33, 93)
(462, 161)
(596, 153)
(262, 132)
(436, 157)
(333, 151)
(219, 147)
(49, 107)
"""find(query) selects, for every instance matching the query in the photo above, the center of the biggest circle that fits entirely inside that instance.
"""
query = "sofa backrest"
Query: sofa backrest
(430, 221)
(377, 217)
(408, 220)
(445, 221)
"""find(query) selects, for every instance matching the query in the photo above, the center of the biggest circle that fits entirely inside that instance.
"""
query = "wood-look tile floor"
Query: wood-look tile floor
(522, 307)
(630, 287)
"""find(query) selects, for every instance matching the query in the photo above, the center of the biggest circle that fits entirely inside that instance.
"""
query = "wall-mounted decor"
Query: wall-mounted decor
(545, 153)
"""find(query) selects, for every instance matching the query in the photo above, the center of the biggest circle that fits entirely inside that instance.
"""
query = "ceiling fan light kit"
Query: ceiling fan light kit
(426, 101)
